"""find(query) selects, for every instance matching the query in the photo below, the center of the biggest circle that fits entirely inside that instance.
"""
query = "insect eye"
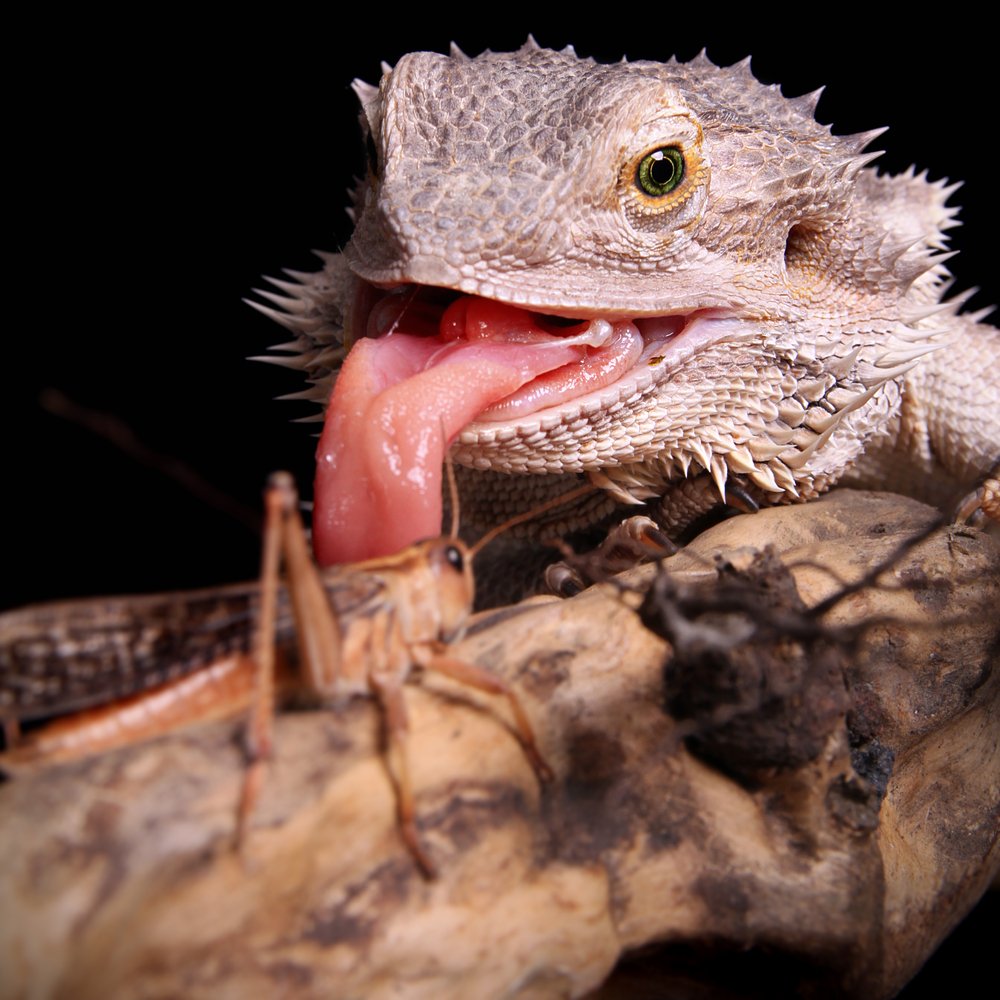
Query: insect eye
(661, 171)
(454, 556)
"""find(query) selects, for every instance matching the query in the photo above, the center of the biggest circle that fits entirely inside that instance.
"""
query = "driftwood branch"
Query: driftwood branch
(830, 846)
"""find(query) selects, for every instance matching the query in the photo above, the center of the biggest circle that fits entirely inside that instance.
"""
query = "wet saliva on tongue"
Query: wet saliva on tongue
(408, 388)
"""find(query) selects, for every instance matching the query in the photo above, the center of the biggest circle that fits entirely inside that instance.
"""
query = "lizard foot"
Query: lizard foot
(980, 503)
(637, 539)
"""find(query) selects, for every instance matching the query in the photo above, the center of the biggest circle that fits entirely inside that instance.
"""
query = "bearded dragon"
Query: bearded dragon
(668, 278)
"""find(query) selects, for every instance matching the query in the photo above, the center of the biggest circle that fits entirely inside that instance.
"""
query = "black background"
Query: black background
(162, 168)
(167, 173)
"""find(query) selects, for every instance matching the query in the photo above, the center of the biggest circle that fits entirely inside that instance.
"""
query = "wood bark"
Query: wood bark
(814, 819)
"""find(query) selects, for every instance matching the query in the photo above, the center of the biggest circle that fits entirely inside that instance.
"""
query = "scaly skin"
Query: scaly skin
(513, 176)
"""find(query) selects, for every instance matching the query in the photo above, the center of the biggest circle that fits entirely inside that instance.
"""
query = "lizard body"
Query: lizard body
(787, 297)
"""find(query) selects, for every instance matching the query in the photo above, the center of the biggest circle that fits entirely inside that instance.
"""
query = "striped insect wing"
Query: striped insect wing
(62, 657)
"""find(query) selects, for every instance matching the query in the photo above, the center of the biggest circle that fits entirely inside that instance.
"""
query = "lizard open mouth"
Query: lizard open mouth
(432, 362)
(602, 350)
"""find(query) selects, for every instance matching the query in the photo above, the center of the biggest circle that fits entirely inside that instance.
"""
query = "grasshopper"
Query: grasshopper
(132, 668)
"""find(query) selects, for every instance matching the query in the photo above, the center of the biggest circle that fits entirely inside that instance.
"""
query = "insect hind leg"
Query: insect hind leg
(388, 689)
(482, 680)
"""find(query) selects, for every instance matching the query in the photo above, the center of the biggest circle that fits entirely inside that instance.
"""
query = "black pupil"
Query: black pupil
(662, 171)
(454, 557)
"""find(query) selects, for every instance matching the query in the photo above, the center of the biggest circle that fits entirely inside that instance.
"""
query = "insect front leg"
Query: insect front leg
(388, 688)
(434, 657)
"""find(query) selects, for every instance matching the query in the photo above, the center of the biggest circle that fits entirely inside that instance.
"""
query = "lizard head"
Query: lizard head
(707, 278)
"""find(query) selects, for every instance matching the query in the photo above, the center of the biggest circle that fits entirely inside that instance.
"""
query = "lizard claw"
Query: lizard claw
(636, 540)
(982, 501)
(564, 581)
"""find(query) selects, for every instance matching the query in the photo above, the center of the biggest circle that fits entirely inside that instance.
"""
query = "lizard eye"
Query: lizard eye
(661, 171)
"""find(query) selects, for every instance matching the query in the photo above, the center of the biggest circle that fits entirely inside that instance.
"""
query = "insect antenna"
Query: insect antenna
(528, 515)
(456, 513)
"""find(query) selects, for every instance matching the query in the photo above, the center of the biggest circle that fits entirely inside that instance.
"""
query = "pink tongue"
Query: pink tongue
(397, 404)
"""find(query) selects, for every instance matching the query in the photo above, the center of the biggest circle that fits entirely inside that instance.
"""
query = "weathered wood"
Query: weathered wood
(117, 874)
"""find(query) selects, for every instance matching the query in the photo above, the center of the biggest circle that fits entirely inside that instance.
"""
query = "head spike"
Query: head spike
(892, 254)
(719, 472)
(806, 103)
(980, 314)
(764, 478)
(925, 312)
(894, 359)
(293, 288)
(300, 276)
(863, 139)
(295, 305)
(296, 361)
(784, 478)
(329, 357)
(701, 452)
(857, 163)
(365, 91)
(296, 324)
(288, 322)
(740, 460)
(828, 426)
(297, 346)
(843, 367)
(314, 394)
(909, 271)
(614, 487)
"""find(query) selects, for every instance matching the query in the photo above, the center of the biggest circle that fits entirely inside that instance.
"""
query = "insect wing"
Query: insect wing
(62, 657)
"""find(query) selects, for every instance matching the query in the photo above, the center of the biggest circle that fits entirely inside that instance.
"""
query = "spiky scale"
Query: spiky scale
(281, 301)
